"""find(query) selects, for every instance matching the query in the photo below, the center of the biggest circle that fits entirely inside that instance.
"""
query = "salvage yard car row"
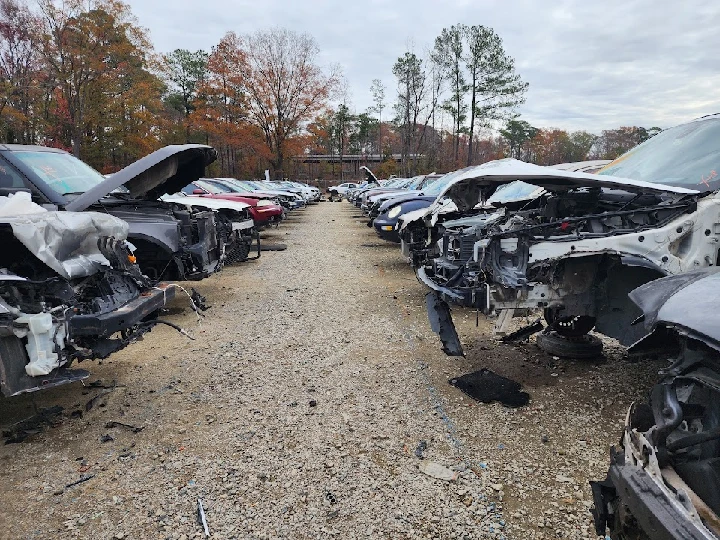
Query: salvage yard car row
(630, 252)
(88, 261)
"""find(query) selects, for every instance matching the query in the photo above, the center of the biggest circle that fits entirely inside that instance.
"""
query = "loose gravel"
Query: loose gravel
(314, 403)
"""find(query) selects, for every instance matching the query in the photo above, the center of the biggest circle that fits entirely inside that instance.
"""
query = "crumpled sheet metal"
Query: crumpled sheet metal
(66, 241)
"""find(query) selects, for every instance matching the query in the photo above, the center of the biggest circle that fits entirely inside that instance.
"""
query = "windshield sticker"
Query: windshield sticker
(707, 180)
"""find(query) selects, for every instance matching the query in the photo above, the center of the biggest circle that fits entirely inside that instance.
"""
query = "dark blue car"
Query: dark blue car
(393, 208)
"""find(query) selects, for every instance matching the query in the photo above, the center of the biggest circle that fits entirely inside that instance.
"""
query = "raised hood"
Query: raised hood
(369, 176)
(478, 183)
(167, 170)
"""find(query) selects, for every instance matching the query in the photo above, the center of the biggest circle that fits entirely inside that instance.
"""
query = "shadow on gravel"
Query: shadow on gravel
(522, 362)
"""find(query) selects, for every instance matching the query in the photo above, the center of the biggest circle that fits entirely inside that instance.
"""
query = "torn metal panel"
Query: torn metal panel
(665, 478)
(442, 324)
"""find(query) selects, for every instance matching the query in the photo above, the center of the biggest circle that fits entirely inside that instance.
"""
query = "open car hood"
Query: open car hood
(478, 183)
(167, 170)
(369, 175)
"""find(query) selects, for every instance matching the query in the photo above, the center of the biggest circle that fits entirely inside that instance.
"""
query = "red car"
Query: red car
(263, 210)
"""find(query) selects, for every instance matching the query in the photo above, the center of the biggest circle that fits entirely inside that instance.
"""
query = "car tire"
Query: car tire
(581, 347)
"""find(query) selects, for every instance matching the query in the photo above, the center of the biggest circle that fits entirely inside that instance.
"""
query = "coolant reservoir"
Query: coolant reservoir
(40, 343)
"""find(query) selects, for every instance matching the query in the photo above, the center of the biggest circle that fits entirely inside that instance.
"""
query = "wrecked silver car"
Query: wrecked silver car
(172, 241)
(70, 290)
(574, 244)
(664, 479)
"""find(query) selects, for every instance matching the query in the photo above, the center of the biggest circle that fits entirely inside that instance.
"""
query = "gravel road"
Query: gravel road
(301, 407)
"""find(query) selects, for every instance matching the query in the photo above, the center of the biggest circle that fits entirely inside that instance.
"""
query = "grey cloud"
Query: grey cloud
(590, 66)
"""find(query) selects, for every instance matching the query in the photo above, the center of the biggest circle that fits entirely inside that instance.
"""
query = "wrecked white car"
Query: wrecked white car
(664, 480)
(574, 244)
(70, 290)
(235, 225)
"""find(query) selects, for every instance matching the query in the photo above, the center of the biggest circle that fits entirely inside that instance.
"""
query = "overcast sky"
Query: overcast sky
(591, 65)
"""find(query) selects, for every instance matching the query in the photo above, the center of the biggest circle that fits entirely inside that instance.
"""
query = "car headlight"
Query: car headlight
(395, 212)
(264, 202)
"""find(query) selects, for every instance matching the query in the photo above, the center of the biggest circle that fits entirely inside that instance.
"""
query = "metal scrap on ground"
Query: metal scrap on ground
(486, 387)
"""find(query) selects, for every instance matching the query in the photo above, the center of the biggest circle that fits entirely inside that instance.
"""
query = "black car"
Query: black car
(391, 209)
(664, 480)
(172, 241)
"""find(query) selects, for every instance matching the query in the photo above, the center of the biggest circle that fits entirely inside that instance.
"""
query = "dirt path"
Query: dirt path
(298, 409)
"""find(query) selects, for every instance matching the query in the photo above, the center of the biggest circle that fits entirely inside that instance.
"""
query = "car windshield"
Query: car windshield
(439, 185)
(684, 156)
(63, 173)
(243, 184)
(415, 182)
(213, 188)
(394, 183)
(230, 185)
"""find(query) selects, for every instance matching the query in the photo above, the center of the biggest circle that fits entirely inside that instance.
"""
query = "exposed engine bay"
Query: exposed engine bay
(173, 242)
(571, 252)
(68, 291)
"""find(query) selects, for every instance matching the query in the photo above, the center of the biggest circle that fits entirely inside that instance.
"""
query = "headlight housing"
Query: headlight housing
(395, 212)
(264, 202)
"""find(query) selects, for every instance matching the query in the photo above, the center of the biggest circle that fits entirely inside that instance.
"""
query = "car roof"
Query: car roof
(33, 147)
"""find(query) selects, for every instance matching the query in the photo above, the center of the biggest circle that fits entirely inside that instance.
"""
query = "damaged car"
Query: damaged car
(664, 479)
(234, 224)
(574, 244)
(171, 241)
(263, 210)
(70, 290)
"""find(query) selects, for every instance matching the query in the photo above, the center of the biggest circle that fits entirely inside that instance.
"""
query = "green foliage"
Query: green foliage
(186, 71)
(517, 133)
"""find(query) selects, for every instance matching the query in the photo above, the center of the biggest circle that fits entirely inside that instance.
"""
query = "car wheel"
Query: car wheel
(584, 346)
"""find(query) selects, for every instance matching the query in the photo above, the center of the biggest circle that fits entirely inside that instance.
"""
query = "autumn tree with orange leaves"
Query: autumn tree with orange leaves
(286, 89)
(222, 112)
(103, 97)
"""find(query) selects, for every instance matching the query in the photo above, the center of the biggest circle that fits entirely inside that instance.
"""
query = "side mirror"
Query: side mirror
(198, 192)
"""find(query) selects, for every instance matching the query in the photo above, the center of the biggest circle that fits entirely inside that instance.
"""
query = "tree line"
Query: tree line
(454, 106)
(83, 75)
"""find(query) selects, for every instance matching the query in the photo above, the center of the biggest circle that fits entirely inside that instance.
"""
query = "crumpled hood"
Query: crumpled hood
(166, 170)
(65, 241)
(480, 182)
(205, 202)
